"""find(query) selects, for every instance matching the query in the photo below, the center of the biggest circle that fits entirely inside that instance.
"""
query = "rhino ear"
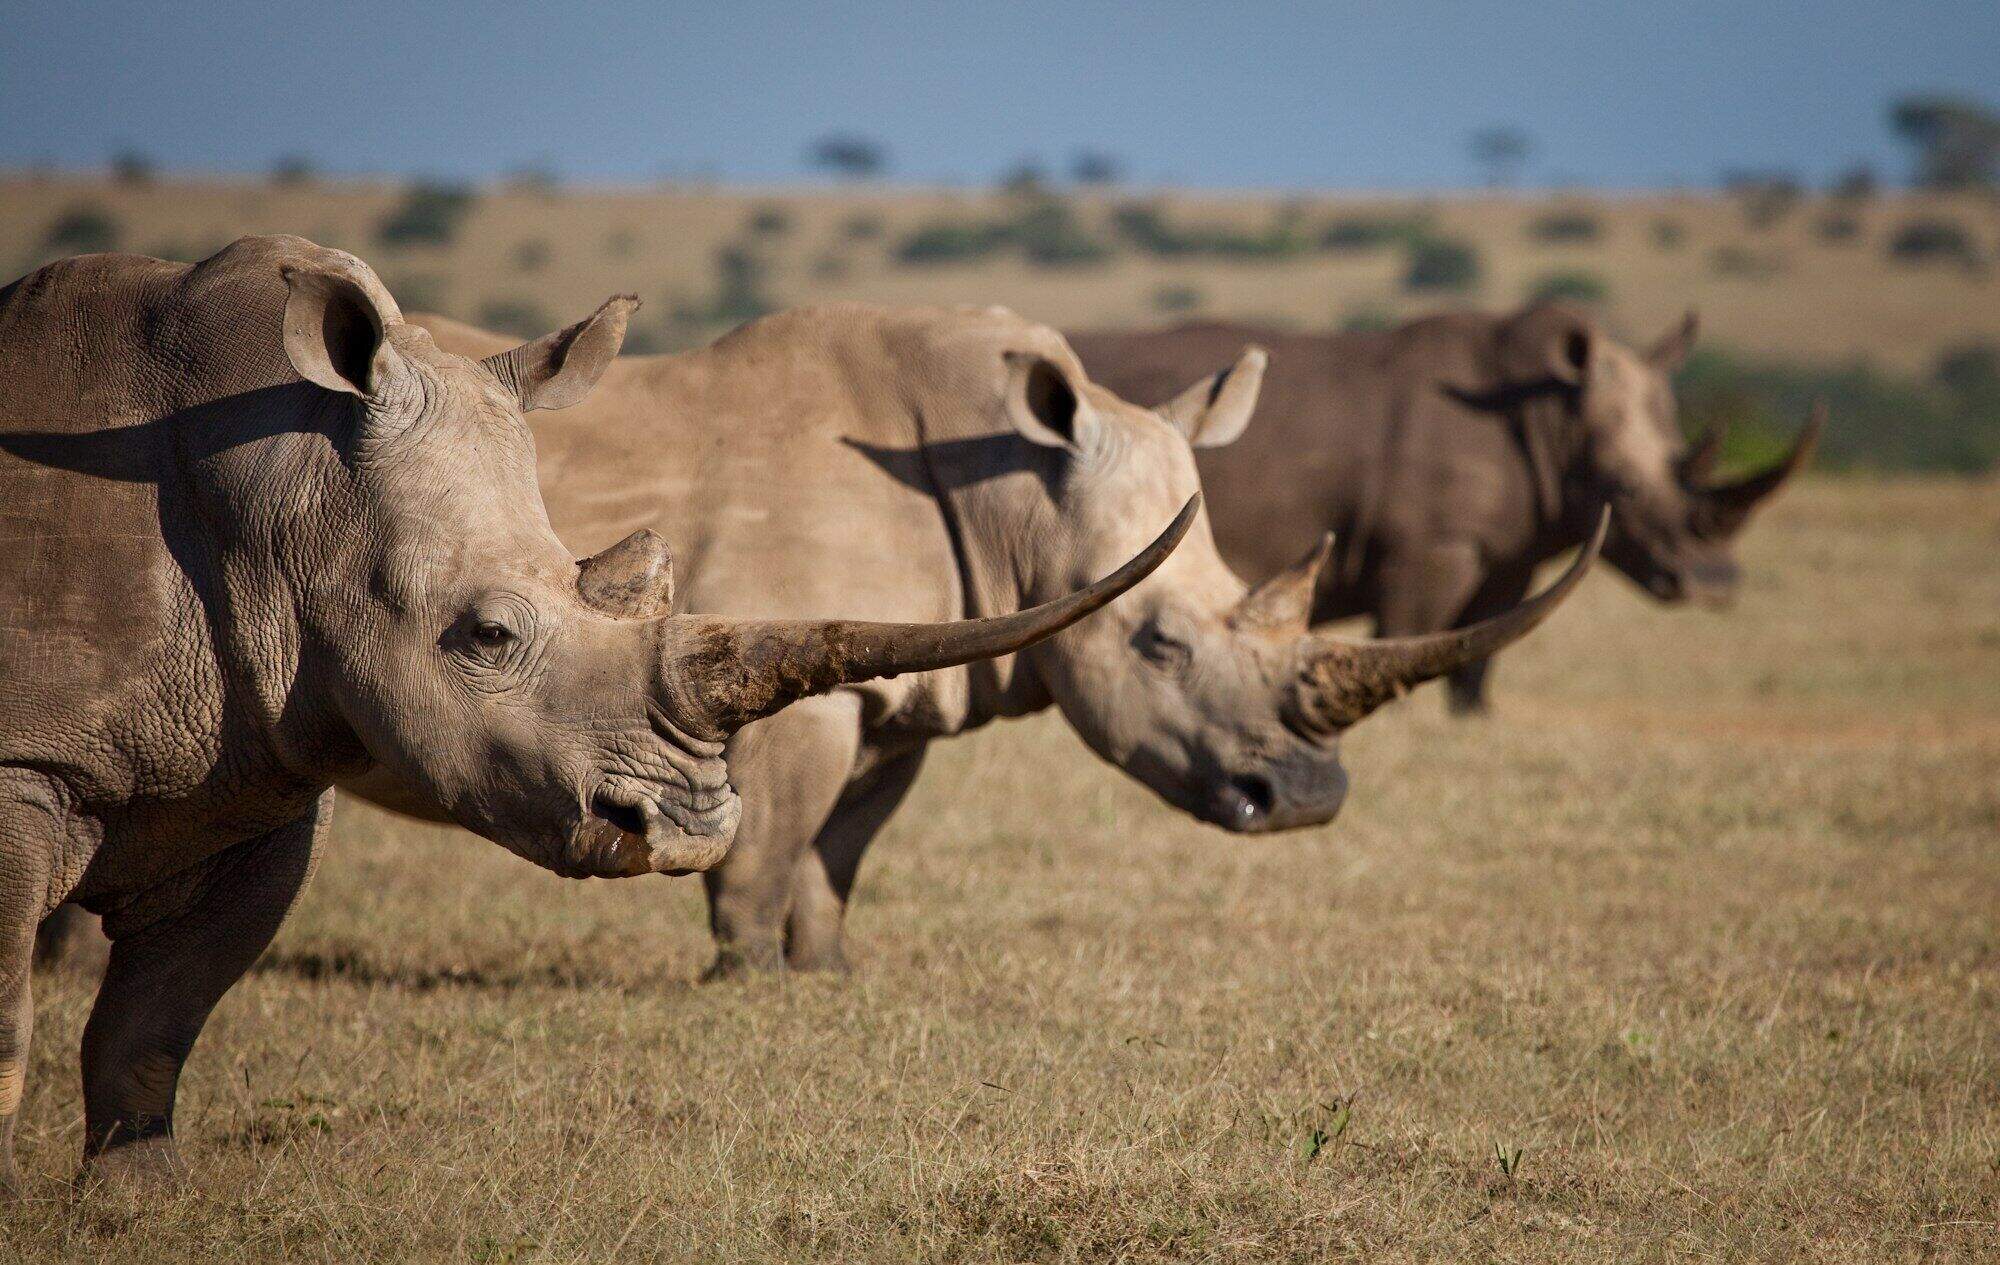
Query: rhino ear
(336, 332)
(1215, 410)
(1671, 352)
(558, 370)
(1045, 406)
(1571, 352)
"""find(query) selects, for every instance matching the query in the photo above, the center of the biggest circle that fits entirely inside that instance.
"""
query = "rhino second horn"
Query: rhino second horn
(731, 672)
(1341, 681)
(634, 579)
(1284, 602)
(1729, 506)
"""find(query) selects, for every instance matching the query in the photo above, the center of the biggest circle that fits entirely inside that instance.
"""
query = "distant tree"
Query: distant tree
(1025, 176)
(1765, 196)
(131, 166)
(770, 220)
(1856, 184)
(1094, 166)
(1934, 238)
(1500, 153)
(291, 169)
(1956, 139)
(848, 156)
(1574, 285)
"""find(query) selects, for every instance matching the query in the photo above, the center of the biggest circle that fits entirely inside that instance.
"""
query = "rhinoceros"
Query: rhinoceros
(939, 463)
(261, 534)
(1452, 455)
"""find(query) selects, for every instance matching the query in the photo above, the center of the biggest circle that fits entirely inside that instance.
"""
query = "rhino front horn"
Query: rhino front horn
(1341, 681)
(731, 672)
(1728, 506)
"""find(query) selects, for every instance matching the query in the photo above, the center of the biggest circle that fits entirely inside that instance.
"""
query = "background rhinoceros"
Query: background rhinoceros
(1452, 455)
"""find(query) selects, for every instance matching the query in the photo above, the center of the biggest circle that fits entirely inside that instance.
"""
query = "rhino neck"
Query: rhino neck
(259, 544)
(986, 507)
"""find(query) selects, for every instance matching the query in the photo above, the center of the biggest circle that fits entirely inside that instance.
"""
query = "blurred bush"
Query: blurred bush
(1934, 239)
(1837, 227)
(1569, 224)
(1440, 263)
(770, 220)
(1178, 299)
(1574, 284)
(430, 214)
(83, 229)
(523, 318)
(1949, 422)
(1669, 234)
(941, 241)
(530, 255)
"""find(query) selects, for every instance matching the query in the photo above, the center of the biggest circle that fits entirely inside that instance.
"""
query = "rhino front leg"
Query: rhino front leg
(31, 834)
(1465, 689)
(1430, 590)
(824, 876)
(163, 980)
(790, 770)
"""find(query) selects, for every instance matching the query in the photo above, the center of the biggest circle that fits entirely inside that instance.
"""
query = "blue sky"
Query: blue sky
(1221, 95)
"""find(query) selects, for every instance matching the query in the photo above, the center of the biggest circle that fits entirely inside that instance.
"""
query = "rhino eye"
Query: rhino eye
(1164, 649)
(491, 635)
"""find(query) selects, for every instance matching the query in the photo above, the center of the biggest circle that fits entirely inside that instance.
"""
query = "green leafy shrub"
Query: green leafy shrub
(430, 214)
(1440, 263)
(1572, 284)
(82, 230)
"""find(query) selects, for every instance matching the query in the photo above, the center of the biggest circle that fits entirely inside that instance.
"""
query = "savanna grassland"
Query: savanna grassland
(1812, 278)
(1688, 953)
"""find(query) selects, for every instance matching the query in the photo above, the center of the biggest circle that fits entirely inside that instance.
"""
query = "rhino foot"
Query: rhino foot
(742, 961)
(134, 1170)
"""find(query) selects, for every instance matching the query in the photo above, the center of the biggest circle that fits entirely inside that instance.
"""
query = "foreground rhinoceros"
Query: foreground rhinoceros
(1452, 455)
(931, 463)
(261, 534)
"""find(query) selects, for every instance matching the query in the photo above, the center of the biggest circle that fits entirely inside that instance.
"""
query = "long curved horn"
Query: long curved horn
(1699, 463)
(1340, 681)
(730, 672)
(1727, 507)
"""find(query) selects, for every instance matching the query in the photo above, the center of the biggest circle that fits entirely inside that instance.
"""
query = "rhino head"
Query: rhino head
(1221, 699)
(1614, 438)
(553, 706)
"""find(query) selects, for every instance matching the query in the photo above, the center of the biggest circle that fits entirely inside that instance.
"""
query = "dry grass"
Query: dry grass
(1698, 936)
(1805, 299)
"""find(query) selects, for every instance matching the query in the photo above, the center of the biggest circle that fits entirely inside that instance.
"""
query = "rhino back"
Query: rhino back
(777, 463)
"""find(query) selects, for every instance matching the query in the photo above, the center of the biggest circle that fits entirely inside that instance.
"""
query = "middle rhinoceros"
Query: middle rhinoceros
(930, 463)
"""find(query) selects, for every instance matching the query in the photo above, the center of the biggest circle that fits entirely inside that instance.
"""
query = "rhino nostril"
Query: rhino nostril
(625, 817)
(1254, 796)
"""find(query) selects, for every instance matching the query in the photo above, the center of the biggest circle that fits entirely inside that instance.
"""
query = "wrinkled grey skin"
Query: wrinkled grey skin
(1453, 455)
(926, 464)
(262, 535)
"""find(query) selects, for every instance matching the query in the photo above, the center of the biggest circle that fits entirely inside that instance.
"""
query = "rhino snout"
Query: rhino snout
(1257, 803)
(639, 828)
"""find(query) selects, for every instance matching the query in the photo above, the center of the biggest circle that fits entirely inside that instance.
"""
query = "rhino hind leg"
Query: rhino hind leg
(824, 876)
(1433, 589)
(791, 770)
(162, 981)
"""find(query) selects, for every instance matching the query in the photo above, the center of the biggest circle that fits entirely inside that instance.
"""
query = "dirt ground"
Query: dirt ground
(1689, 952)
